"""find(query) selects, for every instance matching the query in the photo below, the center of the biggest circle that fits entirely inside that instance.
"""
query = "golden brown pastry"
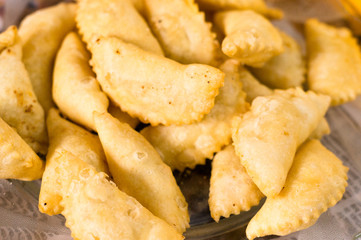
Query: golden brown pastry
(117, 19)
(183, 31)
(19, 106)
(75, 90)
(64, 135)
(139, 171)
(153, 88)
(95, 208)
(250, 37)
(189, 145)
(255, 5)
(316, 182)
(266, 138)
(285, 70)
(42, 33)
(334, 62)
(17, 159)
(231, 190)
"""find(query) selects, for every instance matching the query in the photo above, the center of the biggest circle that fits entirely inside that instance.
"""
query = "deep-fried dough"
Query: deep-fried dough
(189, 145)
(116, 18)
(255, 5)
(266, 138)
(182, 31)
(316, 182)
(19, 106)
(285, 70)
(66, 136)
(250, 37)
(17, 159)
(153, 88)
(231, 190)
(75, 89)
(334, 60)
(42, 33)
(139, 171)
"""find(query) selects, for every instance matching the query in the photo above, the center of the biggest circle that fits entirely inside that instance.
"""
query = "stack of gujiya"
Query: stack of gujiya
(78, 78)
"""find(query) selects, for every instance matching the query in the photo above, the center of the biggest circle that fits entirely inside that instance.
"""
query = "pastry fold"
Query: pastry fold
(139, 171)
(266, 138)
(189, 145)
(334, 60)
(316, 182)
(153, 88)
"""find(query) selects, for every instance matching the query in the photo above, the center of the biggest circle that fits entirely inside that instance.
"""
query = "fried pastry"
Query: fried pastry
(116, 18)
(75, 90)
(328, 47)
(95, 208)
(183, 31)
(153, 88)
(316, 182)
(266, 138)
(42, 33)
(255, 5)
(231, 190)
(19, 106)
(285, 70)
(64, 135)
(250, 37)
(17, 159)
(189, 145)
(139, 171)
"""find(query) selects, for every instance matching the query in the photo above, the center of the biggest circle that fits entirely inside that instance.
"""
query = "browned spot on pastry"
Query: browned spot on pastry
(28, 108)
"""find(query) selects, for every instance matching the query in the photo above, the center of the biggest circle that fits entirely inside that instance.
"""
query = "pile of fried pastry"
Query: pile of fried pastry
(77, 78)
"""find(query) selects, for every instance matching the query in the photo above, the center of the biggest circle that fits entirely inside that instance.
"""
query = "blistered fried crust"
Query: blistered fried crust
(64, 135)
(250, 37)
(252, 87)
(266, 138)
(255, 5)
(183, 31)
(334, 60)
(95, 208)
(189, 145)
(285, 70)
(139, 171)
(75, 90)
(17, 159)
(231, 190)
(155, 89)
(19, 106)
(42, 33)
(115, 18)
(316, 182)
